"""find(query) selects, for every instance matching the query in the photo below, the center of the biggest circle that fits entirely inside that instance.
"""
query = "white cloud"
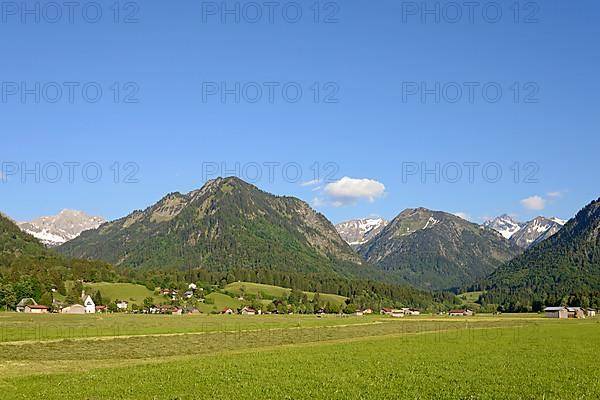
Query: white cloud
(463, 215)
(534, 203)
(311, 183)
(347, 190)
(318, 202)
(554, 194)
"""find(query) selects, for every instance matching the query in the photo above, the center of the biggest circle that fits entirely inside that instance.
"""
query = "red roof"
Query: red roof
(37, 307)
(456, 312)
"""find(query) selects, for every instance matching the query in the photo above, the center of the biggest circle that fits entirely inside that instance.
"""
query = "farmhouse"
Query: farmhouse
(122, 305)
(74, 309)
(188, 295)
(460, 313)
(100, 309)
(591, 312)
(248, 311)
(24, 302)
(227, 311)
(36, 309)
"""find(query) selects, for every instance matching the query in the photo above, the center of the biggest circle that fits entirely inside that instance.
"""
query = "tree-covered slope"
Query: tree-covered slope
(567, 263)
(227, 224)
(28, 269)
(437, 250)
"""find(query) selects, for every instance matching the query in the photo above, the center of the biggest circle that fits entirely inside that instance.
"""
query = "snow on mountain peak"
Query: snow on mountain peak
(359, 231)
(506, 225)
(528, 233)
(57, 229)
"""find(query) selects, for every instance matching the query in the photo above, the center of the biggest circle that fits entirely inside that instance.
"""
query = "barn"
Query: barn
(556, 312)
(74, 309)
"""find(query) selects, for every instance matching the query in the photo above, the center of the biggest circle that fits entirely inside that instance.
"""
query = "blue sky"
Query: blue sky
(368, 120)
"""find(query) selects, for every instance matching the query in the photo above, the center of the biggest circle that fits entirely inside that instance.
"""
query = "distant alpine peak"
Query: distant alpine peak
(359, 231)
(525, 234)
(505, 225)
(54, 230)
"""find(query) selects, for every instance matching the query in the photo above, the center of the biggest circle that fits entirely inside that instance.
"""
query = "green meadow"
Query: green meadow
(297, 357)
(270, 291)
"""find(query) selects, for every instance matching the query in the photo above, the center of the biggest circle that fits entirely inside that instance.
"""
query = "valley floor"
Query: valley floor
(297, 357)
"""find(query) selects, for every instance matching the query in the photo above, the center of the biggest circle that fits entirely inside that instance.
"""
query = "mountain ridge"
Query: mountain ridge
(436, 250)
(565, 264)
(525, 234)
(227, 223)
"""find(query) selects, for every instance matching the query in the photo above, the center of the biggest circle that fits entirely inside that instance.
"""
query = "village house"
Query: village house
(591, 312)
(460, 313)
(100, 309)
(368, 311)
(411, 311)
(73, 309)
(248, 311)
(154, 309)
(24, 302)
(392, 312)
(359, 313)
(188, 295)
(122, 305)
(227, 311)
(192, 286)
(36, 309)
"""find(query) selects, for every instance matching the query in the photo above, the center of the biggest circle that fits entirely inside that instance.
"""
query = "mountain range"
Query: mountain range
(227, 224)
(525, 234)
(566, 264)
(436, 250)
(55, 230)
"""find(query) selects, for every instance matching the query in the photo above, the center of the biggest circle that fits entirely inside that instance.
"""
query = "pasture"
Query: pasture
(270, 291)
(299, 357)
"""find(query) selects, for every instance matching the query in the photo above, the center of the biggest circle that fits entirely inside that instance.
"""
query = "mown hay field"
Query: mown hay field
(279, 357)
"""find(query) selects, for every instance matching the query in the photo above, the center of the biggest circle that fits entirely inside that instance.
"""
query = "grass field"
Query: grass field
(221, 301)
(278, 292)
(122, 291)
(299, 357)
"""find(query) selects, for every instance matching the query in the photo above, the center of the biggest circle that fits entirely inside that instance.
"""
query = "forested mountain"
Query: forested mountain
(227, 224)
(28, 269)
(563, 268)
(436, 250)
